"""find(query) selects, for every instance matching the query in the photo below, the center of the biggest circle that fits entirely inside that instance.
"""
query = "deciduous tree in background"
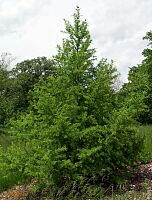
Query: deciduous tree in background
(17, 84)
(137, 93)
(5, 60)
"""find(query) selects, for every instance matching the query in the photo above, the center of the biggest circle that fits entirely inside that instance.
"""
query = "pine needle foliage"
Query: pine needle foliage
(73, 131)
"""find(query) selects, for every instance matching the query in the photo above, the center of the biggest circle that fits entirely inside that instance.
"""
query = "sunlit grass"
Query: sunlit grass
(146, 131)
(132, 195)
(5, 140)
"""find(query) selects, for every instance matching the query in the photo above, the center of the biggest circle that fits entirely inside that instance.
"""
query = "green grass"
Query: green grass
(132, 195)
(146, 132)
(5, 139)
(11, 180)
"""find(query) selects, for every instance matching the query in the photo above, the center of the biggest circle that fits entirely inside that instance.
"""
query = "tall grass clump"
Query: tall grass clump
(146, 132)
(5, 138)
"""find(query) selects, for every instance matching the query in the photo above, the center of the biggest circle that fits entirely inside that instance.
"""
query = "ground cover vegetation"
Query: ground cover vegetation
(64, 124)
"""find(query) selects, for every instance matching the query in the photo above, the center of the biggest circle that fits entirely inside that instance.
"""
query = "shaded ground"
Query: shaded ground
(141, 177)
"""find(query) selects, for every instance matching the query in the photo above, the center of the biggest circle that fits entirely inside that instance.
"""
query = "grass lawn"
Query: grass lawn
(146, 131)
(4, 140)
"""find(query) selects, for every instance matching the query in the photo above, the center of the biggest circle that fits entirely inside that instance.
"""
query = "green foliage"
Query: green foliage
(137, 93)
(24, 77)
(16, 86)
(4, 82)
(10, 180)
(73, 130)
(147, 64)
(5, 139)
(133, 94)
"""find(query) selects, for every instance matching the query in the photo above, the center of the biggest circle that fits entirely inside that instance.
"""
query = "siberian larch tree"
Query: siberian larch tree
(73, 131)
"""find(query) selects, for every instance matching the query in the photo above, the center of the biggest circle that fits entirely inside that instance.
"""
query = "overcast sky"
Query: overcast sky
(31, 28)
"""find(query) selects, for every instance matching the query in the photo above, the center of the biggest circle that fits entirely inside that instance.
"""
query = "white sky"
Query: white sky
(31, 28)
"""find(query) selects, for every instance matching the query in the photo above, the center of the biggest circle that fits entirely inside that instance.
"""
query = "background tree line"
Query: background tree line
(17, 84)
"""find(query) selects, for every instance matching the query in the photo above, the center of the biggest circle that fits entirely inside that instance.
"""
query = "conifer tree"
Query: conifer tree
(73, 131)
